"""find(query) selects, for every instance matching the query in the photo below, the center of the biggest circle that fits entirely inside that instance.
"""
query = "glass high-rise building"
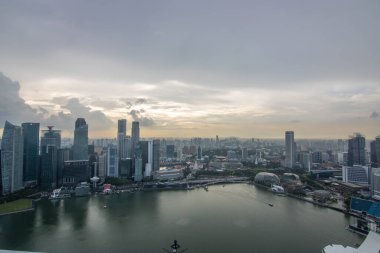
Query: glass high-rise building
(356, 150)
(170, 151)
(31, 135)
(135, 136)
(290, 149)
(122, 126)
(11, 158)
(122, 138)
(80, 147)
(50, 143)
(112, 161)
(156, 155)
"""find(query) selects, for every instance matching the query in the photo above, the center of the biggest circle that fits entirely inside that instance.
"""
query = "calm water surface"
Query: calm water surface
(233, 218)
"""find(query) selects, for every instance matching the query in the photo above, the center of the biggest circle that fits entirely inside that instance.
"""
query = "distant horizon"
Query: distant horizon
(70, 135)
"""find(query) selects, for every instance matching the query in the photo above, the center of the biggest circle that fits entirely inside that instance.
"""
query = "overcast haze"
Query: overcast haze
(193, 68)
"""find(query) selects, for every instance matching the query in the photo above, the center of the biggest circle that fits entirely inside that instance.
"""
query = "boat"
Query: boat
(57, 194)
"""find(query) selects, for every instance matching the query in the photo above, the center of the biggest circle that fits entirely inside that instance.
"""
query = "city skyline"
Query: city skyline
(185, 69)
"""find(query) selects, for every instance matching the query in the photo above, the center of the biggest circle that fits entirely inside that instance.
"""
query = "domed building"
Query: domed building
(267, 178)
(290, 177)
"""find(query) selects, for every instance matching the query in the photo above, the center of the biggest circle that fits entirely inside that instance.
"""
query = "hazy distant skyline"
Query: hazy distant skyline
(193, 68)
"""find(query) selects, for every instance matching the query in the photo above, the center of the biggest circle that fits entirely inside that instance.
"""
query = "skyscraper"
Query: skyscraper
(149, 163)
(122, 126)
(289, 149)
(156, 155)
(50, 137)
(356, 150)
(50, 143)
(138, 170)
(11, 158)
(31, 135)
(80, 147)
(112, 161)
(135, 136)
(122, 138)
(199, 153)
(169, 151)
(375, 152)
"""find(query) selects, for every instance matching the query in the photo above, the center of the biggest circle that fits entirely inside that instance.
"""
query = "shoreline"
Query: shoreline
(19, 211)
(314, 202)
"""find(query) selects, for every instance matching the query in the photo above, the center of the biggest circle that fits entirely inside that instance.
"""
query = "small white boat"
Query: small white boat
(56, 194)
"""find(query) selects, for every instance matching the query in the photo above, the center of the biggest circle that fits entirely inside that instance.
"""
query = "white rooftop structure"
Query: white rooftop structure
(370, 245)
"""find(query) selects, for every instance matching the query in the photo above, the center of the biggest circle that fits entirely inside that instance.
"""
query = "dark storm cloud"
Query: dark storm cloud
(14, 109)
(374, 115)
(137, 115)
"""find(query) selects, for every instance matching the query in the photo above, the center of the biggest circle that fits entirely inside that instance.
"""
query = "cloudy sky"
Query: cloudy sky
(184, 68)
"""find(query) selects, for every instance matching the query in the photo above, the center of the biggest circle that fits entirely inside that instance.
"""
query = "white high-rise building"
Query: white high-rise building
(375, 183)
(149, 164)
(290, 149)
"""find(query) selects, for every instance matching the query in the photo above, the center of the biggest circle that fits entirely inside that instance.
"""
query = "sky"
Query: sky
(244, 68)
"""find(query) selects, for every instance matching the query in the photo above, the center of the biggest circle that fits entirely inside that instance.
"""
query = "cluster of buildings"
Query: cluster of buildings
(357, 166)
(28, 159)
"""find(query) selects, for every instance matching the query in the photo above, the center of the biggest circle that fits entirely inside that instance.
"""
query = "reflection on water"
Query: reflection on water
(234, 218)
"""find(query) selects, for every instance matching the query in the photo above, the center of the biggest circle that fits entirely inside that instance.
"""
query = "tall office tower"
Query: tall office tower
(31, 135)
(138, 170)
(356, 150)
(244, 154)
(102, 165)
(122, 138)
(122, 126)
(375, 152)
(112, 161)
(128, 146)
(144, 150)
(199, 153)
(170, 151)
(50, 143)
(290, 151)
(305, 160)
(80, 147)
(11, 158)
(156, 155)
(135, 136)
(63, 155)
(217, 141)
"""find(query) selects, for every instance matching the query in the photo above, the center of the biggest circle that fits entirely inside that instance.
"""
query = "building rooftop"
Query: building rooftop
(370, 245)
